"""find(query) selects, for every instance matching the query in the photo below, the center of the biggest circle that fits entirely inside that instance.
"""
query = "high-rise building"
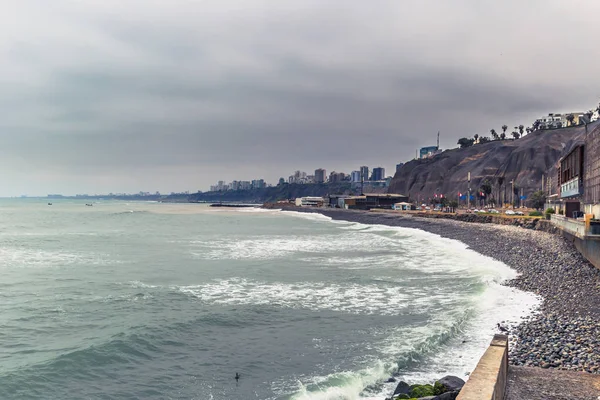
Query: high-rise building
(320, 175)
(355, 176)
(258, 184)
(336, 177)
(378, 174)
(364, 173)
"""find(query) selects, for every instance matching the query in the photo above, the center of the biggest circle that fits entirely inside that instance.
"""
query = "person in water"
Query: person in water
(237, 376)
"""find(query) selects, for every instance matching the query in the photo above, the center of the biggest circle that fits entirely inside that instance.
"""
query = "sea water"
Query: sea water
(168, 301)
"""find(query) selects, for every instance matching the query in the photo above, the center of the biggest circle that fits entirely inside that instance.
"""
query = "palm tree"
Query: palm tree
(570, 118)
(521, 127)
(476, 136)
(516, 135)
(504, 128)
(500, 182)
(529, 130)
(494, 134)
(503, 136)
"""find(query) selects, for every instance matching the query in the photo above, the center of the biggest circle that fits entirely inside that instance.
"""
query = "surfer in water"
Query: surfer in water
(237, 377)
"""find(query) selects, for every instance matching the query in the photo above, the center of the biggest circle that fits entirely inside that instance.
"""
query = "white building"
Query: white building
(310, 201)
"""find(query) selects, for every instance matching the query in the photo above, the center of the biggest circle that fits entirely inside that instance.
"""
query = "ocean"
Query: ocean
(169, 301)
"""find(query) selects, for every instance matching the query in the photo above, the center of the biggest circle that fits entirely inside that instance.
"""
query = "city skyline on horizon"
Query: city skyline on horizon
(98, 101)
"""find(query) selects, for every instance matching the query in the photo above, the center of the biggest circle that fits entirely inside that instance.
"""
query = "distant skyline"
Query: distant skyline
(110, 96)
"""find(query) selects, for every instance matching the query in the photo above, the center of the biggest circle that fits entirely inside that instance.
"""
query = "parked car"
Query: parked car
(493, 211)
(509, 212)
(428, 208)
(519, 213)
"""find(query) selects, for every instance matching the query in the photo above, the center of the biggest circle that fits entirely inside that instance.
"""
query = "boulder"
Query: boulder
(452, 383)
(402, 388)
(447, 396)
(422, 391)
(390, 380)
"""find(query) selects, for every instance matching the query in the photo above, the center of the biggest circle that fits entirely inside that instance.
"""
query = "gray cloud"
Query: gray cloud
(112, 96)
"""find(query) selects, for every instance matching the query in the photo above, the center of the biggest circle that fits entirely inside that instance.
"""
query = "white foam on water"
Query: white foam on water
(317, 217)
(271, 247)
(350, 298)
(470, 328)
(349, 384)
(22, 257)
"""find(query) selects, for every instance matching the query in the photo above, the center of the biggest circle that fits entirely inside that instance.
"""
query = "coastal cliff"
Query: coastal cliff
(524, 160)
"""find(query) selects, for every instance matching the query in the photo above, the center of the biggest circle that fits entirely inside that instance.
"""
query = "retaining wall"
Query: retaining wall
(488, 380)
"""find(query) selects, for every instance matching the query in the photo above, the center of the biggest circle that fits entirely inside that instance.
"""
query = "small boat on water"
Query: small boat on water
(49, 204)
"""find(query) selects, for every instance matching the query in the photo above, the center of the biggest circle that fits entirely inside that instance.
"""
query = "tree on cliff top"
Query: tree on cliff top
(503, 136)
(465, 142)
(570, 118)
(494, 134)
(504, 128)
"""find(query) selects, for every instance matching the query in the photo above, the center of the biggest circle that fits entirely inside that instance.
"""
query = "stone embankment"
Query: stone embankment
(564, 333)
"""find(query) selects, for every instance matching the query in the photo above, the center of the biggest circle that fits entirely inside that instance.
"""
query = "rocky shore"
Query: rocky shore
(565, 332)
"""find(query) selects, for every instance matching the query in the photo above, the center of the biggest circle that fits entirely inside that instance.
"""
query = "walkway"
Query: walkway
(551, 384)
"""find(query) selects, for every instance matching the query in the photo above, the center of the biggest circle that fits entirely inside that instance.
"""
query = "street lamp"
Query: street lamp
(512, 197)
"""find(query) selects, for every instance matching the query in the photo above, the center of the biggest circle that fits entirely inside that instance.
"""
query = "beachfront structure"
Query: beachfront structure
(368, 201)
(310, 201)
(591, 173)
(570, 180)
(402, 206)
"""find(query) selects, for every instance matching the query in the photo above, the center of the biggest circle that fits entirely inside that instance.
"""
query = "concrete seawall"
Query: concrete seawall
(488, 380)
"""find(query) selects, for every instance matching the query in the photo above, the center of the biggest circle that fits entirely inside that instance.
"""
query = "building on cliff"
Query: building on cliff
(428, 151)
(591, 173)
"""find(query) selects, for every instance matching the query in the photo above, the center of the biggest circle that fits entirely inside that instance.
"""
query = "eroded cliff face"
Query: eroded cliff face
(524, 160)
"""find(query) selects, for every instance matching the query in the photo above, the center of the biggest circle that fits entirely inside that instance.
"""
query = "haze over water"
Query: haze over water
(158, 301)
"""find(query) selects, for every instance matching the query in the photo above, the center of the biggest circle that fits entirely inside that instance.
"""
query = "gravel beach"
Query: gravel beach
(565, 332)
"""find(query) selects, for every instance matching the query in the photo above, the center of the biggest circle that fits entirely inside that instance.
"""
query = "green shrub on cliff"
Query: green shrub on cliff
(550, 210)
(535, 214)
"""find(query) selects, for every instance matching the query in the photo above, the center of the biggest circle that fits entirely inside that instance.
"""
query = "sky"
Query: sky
(173, 95)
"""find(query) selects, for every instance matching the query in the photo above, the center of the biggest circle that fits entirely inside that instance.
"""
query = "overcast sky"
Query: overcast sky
(172, 95)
